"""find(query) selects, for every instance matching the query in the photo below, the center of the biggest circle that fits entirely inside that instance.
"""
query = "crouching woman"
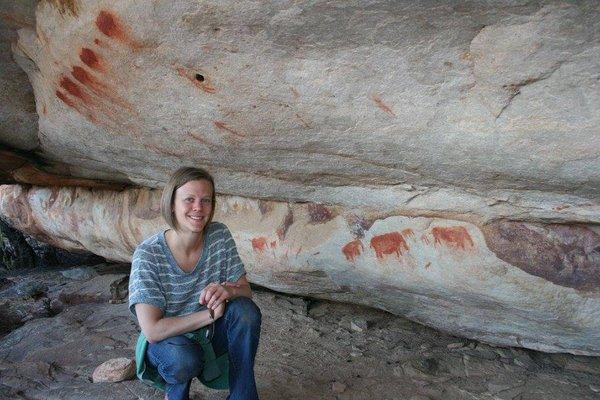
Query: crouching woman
(189, 292)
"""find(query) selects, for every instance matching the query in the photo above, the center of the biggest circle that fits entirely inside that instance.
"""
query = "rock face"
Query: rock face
(511, 283)
(436, 161)
(315, 101)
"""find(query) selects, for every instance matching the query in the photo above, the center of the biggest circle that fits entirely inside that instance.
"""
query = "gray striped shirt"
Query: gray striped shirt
(156, 278)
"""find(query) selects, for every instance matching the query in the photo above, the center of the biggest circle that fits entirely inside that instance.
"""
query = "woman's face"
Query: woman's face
(192, 205)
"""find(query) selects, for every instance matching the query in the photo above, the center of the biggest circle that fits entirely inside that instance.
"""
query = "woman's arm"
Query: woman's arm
(157, 328)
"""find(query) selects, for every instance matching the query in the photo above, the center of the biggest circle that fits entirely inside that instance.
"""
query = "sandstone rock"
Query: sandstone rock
(412, 266)
(115, 370)
(96, 290)
(18, 117)
(449, 177)
(332, 111)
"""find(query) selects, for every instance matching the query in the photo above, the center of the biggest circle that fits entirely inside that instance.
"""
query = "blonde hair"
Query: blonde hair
(177, 180)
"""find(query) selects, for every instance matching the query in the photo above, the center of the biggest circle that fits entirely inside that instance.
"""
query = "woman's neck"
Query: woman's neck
(188, 243)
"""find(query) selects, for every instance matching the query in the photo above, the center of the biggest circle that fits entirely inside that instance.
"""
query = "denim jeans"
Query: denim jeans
(179, 359)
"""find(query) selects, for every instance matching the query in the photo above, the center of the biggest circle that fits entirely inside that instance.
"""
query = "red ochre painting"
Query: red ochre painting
(389, 243)
(455, 237)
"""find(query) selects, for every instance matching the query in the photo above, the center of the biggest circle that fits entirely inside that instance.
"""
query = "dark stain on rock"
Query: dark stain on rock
(389, 243)
(455, 236)
(319, 213)
(201, 81)
(90, 58)
(144, 205)
(65, 7)
(566, 255)
(285, 224)
(53, 195)
(359, 225)
(265, 207)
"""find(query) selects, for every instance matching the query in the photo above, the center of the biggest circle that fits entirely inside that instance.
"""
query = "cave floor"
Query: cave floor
(309, 350)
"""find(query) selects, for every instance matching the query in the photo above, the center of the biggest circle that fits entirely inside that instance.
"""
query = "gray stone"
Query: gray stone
(359, 324)
(79, 274)
(28, 289)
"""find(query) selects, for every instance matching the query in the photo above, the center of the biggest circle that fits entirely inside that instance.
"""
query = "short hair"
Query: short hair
(177, 180)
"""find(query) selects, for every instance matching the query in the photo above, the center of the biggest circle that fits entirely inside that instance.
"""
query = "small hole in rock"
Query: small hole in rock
(200, 77)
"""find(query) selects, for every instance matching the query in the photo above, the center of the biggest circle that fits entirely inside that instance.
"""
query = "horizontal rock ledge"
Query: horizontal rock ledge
(526, 284)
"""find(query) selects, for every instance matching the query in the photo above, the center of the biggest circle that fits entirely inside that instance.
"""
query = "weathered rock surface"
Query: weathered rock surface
(316, 101)
(18, 117)
(511, 283)
(19, 251)
(303, 354)
(456, 146)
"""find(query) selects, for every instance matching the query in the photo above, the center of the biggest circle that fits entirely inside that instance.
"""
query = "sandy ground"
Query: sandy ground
(309, 350)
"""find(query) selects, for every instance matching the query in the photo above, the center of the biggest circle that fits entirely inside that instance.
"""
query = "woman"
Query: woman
(189, 277)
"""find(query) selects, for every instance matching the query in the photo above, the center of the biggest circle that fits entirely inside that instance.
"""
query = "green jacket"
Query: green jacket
(215, 373)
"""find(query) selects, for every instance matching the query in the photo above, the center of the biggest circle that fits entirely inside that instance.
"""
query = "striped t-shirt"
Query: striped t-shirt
(156, 278)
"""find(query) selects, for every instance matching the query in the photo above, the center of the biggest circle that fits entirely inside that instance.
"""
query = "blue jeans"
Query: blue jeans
(179, 359)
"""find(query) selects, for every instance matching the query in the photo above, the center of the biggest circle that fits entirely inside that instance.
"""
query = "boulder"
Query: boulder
(528, 284)
(321, 102)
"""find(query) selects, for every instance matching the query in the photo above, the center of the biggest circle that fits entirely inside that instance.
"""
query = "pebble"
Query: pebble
(338, 387)
(114, 370)
(359, 324)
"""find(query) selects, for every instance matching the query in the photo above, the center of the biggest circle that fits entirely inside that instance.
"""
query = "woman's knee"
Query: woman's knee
(181, 358)
(245, 311)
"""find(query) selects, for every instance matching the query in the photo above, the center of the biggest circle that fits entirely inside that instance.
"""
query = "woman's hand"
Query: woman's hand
(214, 295)
(219, 311)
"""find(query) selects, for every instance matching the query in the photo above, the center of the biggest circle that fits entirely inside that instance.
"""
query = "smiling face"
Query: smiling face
(192, 206)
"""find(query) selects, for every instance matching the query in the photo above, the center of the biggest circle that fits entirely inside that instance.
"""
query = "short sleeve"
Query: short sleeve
(144, 285)
(235, 266)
